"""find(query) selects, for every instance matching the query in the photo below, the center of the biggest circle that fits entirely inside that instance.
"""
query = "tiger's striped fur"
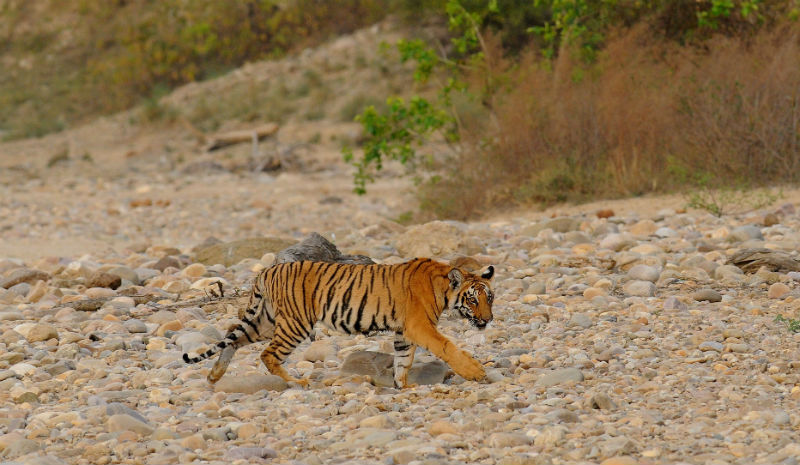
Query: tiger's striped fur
(288, 299)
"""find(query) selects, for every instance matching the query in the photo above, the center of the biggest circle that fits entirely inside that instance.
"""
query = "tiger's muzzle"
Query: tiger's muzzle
(479, 323)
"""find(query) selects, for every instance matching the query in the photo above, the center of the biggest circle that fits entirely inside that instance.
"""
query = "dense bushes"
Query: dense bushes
(612, 99)
(175, 42)
(67, 61)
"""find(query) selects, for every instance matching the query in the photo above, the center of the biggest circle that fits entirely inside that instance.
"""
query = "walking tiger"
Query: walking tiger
(288, 299)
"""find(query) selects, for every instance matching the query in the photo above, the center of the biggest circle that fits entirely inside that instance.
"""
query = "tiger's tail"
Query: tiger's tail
(244, 333)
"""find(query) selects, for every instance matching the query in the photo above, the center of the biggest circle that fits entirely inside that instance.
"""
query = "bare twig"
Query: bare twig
(237, 137)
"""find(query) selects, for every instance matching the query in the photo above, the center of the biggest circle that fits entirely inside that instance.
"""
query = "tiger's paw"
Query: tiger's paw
(214, 375)
(404, 385)
(471, 370)
(303, 382)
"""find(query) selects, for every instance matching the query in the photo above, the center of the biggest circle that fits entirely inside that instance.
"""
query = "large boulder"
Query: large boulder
(231, 253)
(437, 238)
(316, 248)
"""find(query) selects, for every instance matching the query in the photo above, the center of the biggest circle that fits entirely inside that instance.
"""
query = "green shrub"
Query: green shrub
(600, 118)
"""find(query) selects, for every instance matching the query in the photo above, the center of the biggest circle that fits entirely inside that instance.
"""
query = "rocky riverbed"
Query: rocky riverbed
(618, 340)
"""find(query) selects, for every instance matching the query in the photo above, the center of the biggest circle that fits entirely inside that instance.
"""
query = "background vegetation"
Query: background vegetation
(559, 100)
(520, 102)
(65, 62)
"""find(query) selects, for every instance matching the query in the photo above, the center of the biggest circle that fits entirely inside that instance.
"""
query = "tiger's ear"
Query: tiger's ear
(488, 273)
(456, 278)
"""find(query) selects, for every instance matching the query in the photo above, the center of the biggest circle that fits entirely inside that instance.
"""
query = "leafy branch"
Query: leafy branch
(405, 126)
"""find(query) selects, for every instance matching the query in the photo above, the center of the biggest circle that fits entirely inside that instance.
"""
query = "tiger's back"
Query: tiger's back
(350, 298)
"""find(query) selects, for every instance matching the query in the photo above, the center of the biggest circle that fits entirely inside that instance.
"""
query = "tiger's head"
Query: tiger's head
(472, 296)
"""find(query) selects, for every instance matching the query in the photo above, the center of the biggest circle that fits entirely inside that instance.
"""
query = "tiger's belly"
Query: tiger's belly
(352, 321)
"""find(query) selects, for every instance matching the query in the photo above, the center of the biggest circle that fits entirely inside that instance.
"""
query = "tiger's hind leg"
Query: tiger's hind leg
(286, 338)
(221, 365)
(254, 328)
(403, 359)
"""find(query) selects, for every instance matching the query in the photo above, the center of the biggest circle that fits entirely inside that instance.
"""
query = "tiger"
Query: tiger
(287, 300)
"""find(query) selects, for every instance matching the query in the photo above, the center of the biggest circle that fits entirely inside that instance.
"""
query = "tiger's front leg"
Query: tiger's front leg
(461, 362)
(403, 359)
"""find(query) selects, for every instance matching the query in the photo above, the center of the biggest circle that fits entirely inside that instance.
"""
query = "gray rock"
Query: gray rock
(318, 249)
(211, 333)
(367, 437)
(639, 288)
(509, 440)
(664, 232)
(62, 366)
(644, 273)
(726, 271)
(250, 384)
(706, 346)
(135, 326)
(124, 422)
(189, 341)
(20, 289)
(538, 288)
(162, 316)
(581, 320)
(125, 273)
(117, 408)
(145, 274)
(603, 402)
(781, 418)
(560, 376)
(577, 237)
(492, 376)
(223, 433)
(745, 233)
(367, 363)
(428, 373)
(23, 275)
(379, 367)
(563, 415)
(319, 351)
(672, 303)
(707, 294)
(616, 242)
(618, 446)
(19, 448)
(248, 453)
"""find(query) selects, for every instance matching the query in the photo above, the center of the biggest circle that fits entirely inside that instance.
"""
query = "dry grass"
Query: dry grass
(67, 62)
(648, 115)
